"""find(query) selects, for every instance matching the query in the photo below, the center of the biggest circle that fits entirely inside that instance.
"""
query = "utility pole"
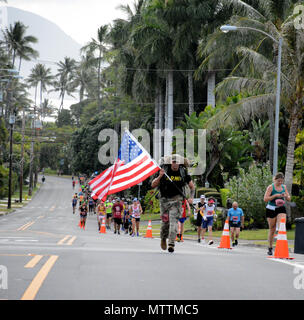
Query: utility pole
(22, 158)
(11, 123)
(30, 191)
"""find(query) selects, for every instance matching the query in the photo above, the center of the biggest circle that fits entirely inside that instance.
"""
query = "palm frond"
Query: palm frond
(238, 114)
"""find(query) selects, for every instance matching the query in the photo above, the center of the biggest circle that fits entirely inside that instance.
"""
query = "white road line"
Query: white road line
(293, 264)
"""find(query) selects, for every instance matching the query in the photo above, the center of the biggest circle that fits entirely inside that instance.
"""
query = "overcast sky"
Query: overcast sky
(80, 19)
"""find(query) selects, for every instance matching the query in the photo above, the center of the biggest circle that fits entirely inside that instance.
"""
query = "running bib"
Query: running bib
(117, 213)
(235, 218)
(209, 213)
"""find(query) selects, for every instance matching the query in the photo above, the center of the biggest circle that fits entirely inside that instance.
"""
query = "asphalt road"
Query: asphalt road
(46, 256)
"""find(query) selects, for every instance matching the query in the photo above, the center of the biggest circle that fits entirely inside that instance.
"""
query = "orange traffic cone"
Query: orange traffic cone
(149, 230)
(103, 226)
(281, 250)
(225, 240)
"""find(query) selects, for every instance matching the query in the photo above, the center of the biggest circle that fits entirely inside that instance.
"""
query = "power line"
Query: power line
(141, 69)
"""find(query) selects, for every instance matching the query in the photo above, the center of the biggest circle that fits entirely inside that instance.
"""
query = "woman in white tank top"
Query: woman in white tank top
(136, 211)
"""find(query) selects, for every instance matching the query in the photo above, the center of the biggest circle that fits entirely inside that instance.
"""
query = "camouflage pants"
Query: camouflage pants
(173, 207)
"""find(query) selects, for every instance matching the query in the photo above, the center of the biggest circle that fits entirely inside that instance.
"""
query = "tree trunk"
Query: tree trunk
(156, 125)
(210, 89)
(294, 124)
(41, 107)
(99, 81)
(20, 64)
(22, 158)
(161, 121)
(190, 92)
(166, 104)
(170, 113)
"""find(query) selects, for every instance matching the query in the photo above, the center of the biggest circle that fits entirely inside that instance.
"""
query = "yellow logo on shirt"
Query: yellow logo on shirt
(176, 178)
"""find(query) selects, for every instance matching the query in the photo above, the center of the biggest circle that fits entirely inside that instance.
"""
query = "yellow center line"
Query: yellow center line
(25, 226)
(62, 240)
(70, 242)
(30, 224)
(32, 263)
(35, 285)
(19, 229)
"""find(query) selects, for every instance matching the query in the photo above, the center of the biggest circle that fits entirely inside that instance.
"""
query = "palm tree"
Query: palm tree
(98, 45)
(18, 44)
(256, 77)
(64, 78)
(40, 75)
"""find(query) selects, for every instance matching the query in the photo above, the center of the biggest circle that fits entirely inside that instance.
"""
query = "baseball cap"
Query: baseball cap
(211, 200)
(203, 196)
(135, 199)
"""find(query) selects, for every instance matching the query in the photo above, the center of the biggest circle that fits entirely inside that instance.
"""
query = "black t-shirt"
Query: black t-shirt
(199, 216)
(167, 188)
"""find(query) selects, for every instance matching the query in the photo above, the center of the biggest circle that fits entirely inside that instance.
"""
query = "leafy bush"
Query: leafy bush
(224, 196)
(151, 203)
(298, 211)
(4, 172)
(248, 190)
(203, 190)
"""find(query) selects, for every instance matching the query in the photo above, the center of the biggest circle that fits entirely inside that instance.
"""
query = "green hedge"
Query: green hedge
(224, 196)
(151, 203)
(4, 173)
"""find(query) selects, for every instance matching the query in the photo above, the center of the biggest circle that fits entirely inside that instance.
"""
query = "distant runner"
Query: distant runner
(74, 204)
(236, 221)
(186, 208)
(136, 211)
(109, 205)
(208, 217)
(83, 215)
(117, 211)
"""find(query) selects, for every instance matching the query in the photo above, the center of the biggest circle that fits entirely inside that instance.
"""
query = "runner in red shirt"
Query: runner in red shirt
(117, 211)
(186, 208)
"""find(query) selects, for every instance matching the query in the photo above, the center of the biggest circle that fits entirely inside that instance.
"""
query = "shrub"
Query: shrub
(298, 211)
(203, 190)
(4, 172)
(151, 203)
(224, 196)
(248, 190)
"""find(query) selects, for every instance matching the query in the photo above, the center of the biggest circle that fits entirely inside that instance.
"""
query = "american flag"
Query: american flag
(134, 165)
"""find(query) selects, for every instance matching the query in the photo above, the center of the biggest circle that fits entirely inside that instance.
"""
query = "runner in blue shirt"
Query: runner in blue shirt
(236, 220)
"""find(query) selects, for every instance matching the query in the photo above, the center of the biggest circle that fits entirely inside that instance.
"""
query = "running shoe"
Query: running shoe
(269, 252)
(114, 231)
(171, 248)
(137, 234)
(163, 244)
(118, 232)
(199, 240)
(133, 235)
(236, 242)
(210, 242)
